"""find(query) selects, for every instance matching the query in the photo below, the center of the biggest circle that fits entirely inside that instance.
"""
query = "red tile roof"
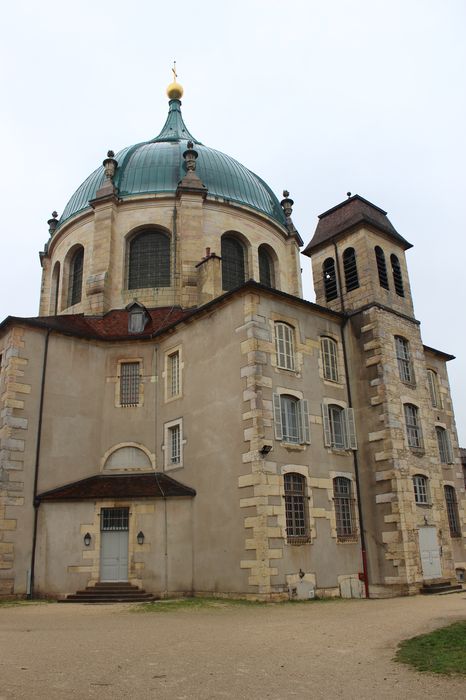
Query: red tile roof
(152, 485)
(113, 325)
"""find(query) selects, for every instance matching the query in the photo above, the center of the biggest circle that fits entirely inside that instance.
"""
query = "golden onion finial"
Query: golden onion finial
(175, 90)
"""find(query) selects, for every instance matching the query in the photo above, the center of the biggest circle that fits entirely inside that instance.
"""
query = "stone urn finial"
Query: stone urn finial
(190, 156)
(287, 204)
(53, 223)
(110, 165)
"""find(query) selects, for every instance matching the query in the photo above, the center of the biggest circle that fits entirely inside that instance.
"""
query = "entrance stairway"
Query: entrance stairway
(441, 586)
(121, 592)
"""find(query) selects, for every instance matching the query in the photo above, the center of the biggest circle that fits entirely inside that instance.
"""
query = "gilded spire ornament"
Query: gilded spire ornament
(175, 90)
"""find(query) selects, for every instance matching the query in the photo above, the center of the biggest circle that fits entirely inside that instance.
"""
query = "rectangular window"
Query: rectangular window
(284, 346)
(452, 510)
(173, 374)
(413, 427)
(295, 508)
(344, 509)
(403, 356)
(291, 416)
(444, 446)
(339, 427)
(421, 493)
(129, 383)
(329, 359)
(174, 445)
(432, 380)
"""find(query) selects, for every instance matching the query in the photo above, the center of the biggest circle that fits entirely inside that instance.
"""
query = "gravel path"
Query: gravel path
(337, 649)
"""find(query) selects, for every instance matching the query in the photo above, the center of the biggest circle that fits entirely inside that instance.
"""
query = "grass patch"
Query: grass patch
(216, 604)
(17, 603)
(441, 651)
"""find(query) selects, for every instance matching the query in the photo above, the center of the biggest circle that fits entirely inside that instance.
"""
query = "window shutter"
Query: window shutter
(350, 436)
(326, 422)
(277, 412)
(448, 446)
(305, 431)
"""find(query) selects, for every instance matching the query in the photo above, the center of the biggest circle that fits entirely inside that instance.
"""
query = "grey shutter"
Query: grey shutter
(350, 437)
(326, 422)
(305, 431)
(277, 414)
(448, 446)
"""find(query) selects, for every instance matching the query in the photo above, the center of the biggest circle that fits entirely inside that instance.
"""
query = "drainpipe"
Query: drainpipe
(355, 452)
(36, 503)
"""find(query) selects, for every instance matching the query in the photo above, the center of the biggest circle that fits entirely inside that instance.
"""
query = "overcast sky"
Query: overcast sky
(320, 98)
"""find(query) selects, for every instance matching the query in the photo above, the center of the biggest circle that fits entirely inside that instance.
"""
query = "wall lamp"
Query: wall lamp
(87, 539)
(140, 537)
(265, 449)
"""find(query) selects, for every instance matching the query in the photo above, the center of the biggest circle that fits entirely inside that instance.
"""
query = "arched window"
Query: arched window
(403, 356)
(128, 457)
(75, 284)
(381, 267)
(339, 427)
(328, 349)
(233, 263)
(413, 426)
(397, 276)
(330, 279)
(54, 289)
(295, 508)
(452, 510)
(266, 271)
(350, 269)
(284, 345)
(432, 381)
(344, 508)
(149, 260)
(421, 492)
(444, 446)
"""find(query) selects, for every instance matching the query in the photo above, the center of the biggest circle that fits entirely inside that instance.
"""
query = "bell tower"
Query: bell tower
(359, 269)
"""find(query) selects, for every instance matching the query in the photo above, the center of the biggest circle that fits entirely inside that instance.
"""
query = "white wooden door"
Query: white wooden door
(114, 555)
(430, 552)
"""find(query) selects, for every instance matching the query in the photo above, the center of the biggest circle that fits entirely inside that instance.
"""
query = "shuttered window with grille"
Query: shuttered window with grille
(129, 383)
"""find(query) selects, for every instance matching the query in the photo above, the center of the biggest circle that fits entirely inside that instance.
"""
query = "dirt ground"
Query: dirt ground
(337, 649)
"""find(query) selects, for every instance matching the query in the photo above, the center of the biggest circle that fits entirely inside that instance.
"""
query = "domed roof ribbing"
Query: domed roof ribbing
(157, 166)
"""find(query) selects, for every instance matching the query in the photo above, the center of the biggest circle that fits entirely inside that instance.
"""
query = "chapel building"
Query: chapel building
(179, 418)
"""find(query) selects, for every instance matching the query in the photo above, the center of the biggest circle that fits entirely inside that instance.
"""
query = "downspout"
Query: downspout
(36, 502)
(355, 452)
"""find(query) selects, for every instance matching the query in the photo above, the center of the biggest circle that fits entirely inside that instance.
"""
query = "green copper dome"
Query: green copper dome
(157, 166)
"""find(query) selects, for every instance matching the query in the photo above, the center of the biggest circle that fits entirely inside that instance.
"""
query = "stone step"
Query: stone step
(107, 599)
(110, 592)
(442, 588)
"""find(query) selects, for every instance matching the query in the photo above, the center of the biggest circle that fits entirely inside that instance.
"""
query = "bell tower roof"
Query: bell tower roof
(354, 211)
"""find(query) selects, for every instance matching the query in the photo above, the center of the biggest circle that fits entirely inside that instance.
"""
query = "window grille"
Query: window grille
(403, 356)
(421, 494)
(444, 446)
(344, 508)
(76, 278)
(295, 508)
(173, 379)
(350, 269)
(452, 510)
(129, 383)
(413, 427)
(174, 436)
(397, 276)
(112, 519)
(432, 380)
(329, 359)
(330, 279)
(284, 346)
(233, 267)
(381, 267)
(265, 268)
(149, 261)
